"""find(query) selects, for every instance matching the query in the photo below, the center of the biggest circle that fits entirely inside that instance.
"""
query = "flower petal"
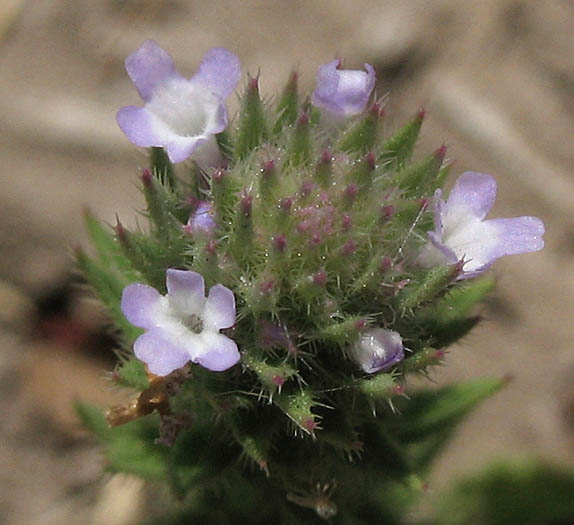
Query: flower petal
(148, 67)
(186, 291)
(219, 308)
(343, 92)
(220, 352)
(182, 147)
(142, 305)
(141, 127)
(201, 220)
(220, 71)
(160, 355)
(473, 192)
(517, 235)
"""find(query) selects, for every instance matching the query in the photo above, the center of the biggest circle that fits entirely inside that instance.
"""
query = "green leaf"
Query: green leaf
(459, 302)
(430, 411)
(108, 287)
(108, 249)
(129, 448)
(513, 492)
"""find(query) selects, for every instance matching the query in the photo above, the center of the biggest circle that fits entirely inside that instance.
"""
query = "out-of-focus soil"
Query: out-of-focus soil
(497, 81)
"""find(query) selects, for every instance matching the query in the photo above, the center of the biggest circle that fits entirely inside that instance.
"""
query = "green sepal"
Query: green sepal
(252, 125)
(161, 207)
(344, 332)
(323, 174)
(241, 238)
(379, 387)
(272, 377)
(416, 179)
(256, 448)
(434, 282)
(299, 149)
(421, 360)
(225, 143)
(362, 135)
(288, 105)
(298, 408)
(398, 149)
(162, 167)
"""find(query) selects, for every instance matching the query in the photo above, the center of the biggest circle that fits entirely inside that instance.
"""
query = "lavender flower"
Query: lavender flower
(201, 220)
(343, 93)
(183, 325)
(378, 349)
(179, 114)
(461, 233)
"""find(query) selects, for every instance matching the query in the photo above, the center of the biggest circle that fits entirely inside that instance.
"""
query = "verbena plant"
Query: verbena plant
(334, 269)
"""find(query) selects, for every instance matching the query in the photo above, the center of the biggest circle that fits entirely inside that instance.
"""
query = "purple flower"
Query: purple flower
(183, 325)
(461, 233)
(201, 220)
(378, 349)
(343, 93)
(179, 114)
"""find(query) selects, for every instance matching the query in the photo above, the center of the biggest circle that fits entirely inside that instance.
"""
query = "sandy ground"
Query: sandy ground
(497, 81)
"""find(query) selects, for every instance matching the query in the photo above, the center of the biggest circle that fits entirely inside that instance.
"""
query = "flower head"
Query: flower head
(201, 220)
(183, 325)
(461, 233)
(378, 349)
(343, 93)
(179, 114)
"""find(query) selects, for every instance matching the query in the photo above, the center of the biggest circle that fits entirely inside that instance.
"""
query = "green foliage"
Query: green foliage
(129, 448)
(510, 493)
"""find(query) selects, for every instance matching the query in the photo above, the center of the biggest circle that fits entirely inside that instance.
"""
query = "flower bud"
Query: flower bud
(378, 349)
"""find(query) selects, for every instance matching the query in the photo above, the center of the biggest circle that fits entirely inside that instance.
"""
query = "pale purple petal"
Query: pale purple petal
(379, 349)
(326, 83)
(182, 147)
(186, 291)
(141, 127)
(220, 352)
(220, 307)
(447, 253)
(343, 92)
(219, 71)
(160, 354)
(141, 304)
(473, 192)
(438, 211)
(517, 235)
(201, 220)
(148, 67)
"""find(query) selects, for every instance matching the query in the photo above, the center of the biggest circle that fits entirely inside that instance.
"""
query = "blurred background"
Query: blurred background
(496, 78)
